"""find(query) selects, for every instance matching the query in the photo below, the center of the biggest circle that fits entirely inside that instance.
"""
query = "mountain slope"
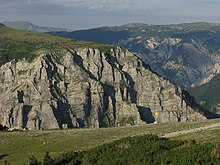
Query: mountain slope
(208, 94)
(69, 84)
(18, 44)
(24, 25)
(186, 54)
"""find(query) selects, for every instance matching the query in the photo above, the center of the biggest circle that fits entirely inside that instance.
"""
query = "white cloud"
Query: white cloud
(96, 6)
(106, 5)
(117, 1)
(68, 3)
(7, 5)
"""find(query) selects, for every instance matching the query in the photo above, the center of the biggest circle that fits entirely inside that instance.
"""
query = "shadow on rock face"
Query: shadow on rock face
(146, 114)
(20, 96)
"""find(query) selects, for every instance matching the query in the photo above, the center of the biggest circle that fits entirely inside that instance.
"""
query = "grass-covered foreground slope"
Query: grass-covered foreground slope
(17, 147)
(18, 44)
(146, 150)
(208, 95)
(207, 136)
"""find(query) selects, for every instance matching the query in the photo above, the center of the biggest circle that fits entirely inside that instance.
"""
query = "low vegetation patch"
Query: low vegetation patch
(147, 149)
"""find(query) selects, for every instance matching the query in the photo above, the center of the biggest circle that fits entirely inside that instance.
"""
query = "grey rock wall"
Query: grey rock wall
(89, 88)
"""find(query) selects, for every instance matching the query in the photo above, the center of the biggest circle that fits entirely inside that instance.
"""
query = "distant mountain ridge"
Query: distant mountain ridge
(186, 54)
(24, 25)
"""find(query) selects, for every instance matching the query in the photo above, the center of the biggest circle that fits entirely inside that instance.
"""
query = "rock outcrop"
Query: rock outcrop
(89, 88)
(186, 63)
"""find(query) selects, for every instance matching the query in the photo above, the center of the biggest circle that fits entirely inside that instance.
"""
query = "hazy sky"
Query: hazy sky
(82, 14)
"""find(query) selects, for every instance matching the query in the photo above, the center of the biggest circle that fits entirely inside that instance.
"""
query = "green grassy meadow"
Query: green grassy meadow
(19, 44)
(18, 146)
(207, 136)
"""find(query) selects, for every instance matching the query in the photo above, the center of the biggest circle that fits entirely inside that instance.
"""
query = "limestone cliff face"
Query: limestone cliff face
(88, 88)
